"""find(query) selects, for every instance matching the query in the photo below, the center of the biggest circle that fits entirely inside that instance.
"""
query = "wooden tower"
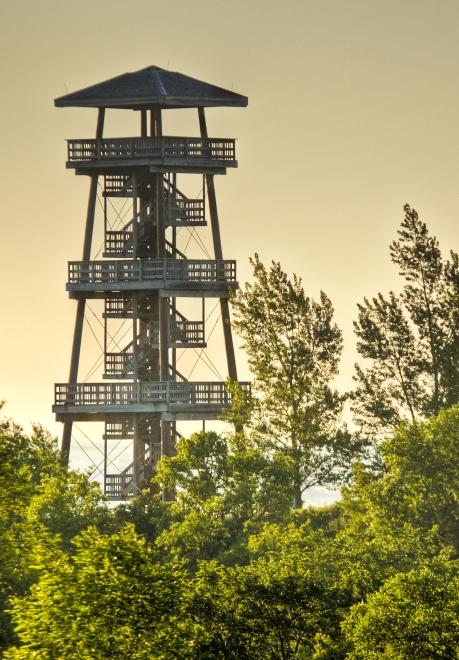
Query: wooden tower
(143, 276)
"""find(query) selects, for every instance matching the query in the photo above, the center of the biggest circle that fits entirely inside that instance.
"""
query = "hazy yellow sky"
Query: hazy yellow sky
(353, 111)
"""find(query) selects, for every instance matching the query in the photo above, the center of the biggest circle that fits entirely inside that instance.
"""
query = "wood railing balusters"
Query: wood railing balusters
(217, 149)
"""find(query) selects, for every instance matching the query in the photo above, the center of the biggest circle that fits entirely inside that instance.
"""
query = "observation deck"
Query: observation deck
(156, 154)
(175, 401)
(171, 277)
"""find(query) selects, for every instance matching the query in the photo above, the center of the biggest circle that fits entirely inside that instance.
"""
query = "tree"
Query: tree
(406, 515)
(273, 608)
(198, 468)
(24, 462)
(40, 503)
(66, 504)
(226, 487)
(413, 615)
(293, 349)
(113, 598)
(411, 341)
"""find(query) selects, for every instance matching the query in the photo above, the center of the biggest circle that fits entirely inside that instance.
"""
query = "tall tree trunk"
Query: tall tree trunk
(297, 499)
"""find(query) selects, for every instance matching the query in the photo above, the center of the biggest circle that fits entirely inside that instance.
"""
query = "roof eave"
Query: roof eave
(168, 102)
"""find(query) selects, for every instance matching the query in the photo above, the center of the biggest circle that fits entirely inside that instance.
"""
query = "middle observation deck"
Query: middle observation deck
(170, 277)
(156, 154)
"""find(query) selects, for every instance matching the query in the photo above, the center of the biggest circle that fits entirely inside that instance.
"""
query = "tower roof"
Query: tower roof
(151, 86)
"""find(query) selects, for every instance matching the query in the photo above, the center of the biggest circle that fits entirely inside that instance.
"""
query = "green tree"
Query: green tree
(226, 487)
(113, 598)
(198, 469)
(24, 462)
(273, 608)
(413, 615)
(410, 341)
(65, 504)
(40, 503)
(294, 348)
(407, 514)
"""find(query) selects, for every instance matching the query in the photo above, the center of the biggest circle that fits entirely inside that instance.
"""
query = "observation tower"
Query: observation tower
(143, 277)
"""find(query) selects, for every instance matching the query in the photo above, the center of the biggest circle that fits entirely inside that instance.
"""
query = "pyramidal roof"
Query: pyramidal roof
(148, 87)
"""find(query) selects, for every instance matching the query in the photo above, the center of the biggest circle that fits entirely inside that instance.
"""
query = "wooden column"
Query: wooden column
(135, 224)
(79, 319)
(215, 225)
(143, 123)
(139, 457)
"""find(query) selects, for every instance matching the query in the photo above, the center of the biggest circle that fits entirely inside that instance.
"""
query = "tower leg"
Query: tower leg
(215, 225)
(79, 320)
(139, 457)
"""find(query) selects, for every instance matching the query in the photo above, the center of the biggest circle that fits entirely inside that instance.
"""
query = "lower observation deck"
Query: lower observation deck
(171, 277)
(157, 154)
(174, 401)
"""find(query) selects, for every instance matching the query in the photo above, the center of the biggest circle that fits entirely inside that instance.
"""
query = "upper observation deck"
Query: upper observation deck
(155, 154)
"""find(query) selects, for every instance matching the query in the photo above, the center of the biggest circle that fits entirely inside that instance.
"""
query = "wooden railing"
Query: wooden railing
(120, 305)
(118, 486)
(187, 332)
(118, 364)
(119, 242)
(142, 270)
(118, 427)
(185, 212)
(118, 183)
(123, 394)
(180, 148)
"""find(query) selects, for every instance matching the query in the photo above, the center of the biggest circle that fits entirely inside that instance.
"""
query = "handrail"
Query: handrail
(185, 148)
(123, 394)
(141, 270)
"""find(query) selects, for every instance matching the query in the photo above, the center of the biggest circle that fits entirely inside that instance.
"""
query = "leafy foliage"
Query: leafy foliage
(411, 341)
(112, 599)
(273, 608)
(413, 615)
(293, 349)
(225, 487)
(40, 504)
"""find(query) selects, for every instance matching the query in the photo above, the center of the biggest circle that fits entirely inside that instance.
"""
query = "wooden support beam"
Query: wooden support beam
(135, 223)
(143, 123)
(138, 457)
(215, 225)
(79, 319)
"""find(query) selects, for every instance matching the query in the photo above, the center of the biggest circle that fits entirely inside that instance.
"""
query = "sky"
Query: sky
(352, 112)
